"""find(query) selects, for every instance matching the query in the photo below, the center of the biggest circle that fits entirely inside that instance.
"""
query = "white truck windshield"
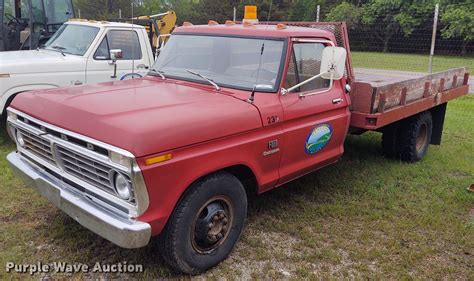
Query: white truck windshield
(229, 61)
(72, 39)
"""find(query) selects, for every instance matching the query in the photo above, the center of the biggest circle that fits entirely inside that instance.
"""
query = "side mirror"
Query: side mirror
(116, 54)
(333, 62)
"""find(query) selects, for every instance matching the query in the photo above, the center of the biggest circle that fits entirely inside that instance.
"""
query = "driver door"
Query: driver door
(134, 63)
(315, 125)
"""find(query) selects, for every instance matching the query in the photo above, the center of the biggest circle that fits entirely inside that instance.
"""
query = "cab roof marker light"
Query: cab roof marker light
(158, 159)
(229, 22)
(187, 23)
(281, 26)
(212, 22)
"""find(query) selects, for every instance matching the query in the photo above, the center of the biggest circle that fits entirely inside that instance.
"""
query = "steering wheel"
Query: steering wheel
(11, 19)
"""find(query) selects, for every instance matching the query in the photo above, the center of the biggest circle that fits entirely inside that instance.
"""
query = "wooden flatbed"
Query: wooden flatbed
(379, 100)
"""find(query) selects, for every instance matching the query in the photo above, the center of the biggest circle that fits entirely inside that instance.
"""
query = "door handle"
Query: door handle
(141, 66)
(77, 83)
(336, 101)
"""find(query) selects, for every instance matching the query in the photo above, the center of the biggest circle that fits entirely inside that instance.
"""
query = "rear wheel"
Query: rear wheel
(415, 136)
(205, 225)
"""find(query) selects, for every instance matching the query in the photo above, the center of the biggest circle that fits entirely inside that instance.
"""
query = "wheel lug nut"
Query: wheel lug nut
(219, 236)
(221, 215)
(224, 228)
(210, 225)
(215, 218)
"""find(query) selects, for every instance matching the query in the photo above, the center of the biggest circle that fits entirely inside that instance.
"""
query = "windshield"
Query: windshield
(72, 39)
(229, 61)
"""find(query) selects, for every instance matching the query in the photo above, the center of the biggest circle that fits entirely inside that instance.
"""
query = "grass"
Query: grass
(409, 62)
(364, 217)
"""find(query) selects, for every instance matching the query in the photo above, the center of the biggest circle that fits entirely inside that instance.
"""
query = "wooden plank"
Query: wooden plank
(416, 89)
(426, 91)
(382, 101)
(403, 98)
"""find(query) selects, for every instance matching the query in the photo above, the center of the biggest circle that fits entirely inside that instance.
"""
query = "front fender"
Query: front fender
(23, 88)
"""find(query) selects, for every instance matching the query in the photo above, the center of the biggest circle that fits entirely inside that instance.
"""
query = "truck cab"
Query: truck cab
(27, 24)
(78, 53)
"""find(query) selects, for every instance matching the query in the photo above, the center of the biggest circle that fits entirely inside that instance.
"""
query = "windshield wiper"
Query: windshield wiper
(205, 78)
(60, 49)
(156, 73)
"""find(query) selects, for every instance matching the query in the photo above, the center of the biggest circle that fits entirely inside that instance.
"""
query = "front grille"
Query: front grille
(38, 146)
(85, 168)
(79, 165)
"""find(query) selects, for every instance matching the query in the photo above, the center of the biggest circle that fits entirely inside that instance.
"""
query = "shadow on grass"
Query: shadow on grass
(77, 244)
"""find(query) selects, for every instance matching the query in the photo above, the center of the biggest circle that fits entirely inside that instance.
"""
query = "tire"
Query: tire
(415, 137)
(390, 141)
(188, 242)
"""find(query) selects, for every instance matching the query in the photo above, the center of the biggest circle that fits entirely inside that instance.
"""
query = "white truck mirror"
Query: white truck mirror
(116, 54)
(333, 62)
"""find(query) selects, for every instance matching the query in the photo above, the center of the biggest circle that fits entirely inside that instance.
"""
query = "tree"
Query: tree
(347, 12)
(459, 22)
(384, 18)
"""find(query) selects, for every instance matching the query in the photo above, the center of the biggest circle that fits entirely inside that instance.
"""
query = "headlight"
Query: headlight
(19, 139)
(122, 186)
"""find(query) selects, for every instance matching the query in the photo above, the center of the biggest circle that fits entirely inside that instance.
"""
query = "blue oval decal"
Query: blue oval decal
(318, 138)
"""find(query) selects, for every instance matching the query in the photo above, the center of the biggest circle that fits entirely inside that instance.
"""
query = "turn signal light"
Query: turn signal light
(158, 159)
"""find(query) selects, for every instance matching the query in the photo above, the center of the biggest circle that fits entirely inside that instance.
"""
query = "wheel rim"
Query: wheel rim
(212, 224)
(422, 137)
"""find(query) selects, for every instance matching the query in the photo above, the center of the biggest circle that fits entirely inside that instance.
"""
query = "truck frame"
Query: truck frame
(227, 110)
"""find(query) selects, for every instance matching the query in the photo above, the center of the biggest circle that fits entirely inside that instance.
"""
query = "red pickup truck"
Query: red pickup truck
(227, 109)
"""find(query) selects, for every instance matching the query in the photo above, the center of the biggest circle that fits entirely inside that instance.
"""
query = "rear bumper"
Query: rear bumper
(124, 232)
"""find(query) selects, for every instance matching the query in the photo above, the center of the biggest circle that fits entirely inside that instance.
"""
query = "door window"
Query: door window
(125, 40)
(305, 62)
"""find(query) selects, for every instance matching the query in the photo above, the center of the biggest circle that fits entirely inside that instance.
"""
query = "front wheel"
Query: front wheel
(205, 225)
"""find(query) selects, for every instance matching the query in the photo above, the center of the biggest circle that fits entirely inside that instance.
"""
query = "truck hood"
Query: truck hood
(41, 61)
(143, 116)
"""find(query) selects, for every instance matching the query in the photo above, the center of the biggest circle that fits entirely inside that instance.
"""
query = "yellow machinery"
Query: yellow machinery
(164, 22)
(158, 27)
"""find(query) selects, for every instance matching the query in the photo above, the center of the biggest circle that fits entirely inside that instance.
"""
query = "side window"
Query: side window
(102, 52)
(125, 40)
(305, 63)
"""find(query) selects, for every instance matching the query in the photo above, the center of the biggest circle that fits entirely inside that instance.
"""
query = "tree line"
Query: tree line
(378, 25)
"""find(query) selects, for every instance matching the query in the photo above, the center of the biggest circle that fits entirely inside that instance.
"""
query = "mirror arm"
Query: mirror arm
(331, 83)
(289, 90)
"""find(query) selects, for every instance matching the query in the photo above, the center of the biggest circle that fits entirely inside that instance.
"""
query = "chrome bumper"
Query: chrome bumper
(124, 232)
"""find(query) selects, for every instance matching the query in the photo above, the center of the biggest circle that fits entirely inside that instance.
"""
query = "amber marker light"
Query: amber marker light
(229, 22)
(281, 26)
(212, 22)
(158, 159)
(187, 23)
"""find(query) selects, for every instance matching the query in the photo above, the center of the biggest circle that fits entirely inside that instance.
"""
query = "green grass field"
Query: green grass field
(409, 62)
(364, 217)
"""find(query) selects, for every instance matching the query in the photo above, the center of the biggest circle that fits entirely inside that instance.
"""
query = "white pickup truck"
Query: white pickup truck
(81, 52)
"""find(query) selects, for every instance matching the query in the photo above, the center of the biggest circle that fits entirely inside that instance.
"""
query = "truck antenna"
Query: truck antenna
(251, 99)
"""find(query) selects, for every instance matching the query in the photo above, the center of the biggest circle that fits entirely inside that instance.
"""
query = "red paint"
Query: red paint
(207, 130)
